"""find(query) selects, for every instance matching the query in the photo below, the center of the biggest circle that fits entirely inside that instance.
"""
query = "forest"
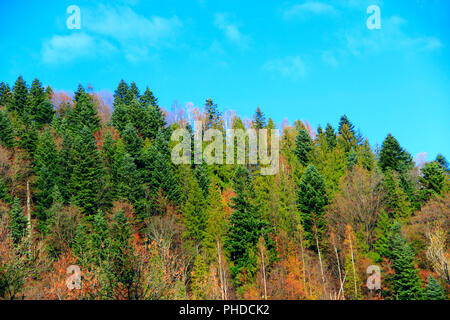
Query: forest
(88, 183)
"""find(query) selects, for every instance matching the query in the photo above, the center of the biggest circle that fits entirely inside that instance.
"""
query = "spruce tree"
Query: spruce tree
(120, 95)
(432, 179)
(405, 281)
(133, 143)
(303, 146)
(41, 108)
(345, 122)
(397, 204)
(20, 103)
(246, 226)
(434, 290)
(86, 172)
(259, 121)
(148, 99)
(311, 200)
(393, 156)
(382, 234)
(202, 174)
(199, 278)
(443, 162)
(17, 222)
(5, 95)
(4, 193)
(6, 130)
(330, 136)
(195, 215)
(352, 159)
(213, 115)
(120, 117)
(27, 133)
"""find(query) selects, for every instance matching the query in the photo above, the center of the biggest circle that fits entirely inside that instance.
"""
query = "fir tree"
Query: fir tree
(434, 290)
(345, 122)
(148, 99)
(443, 162)
(382, 234)
(120, 95)
(393, 156)
(120, 117)
(17, 222)
(4, 193)
(20, 103)
(86, 172)
(199, 278)
(405, 281)
(133, 143)
(213, 116)
(432, 179)
(397, 204)
(303, 147)
(259, 121)
(41, 108)
(352, 159)
(6, 130)
(330, 136)
(311, 200)
(202, 174)
(195, 215)
(5, 95)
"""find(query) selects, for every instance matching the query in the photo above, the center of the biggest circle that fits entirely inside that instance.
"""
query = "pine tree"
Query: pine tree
(133, 143)
(86, 172)
(432, 179)
(120, 95)
(311, 201)
(405, 281)
(246, 226)
(41, 108)
(303, 147)
(199, 278)
(20, 103)
(202, 174)
(6, 130)
(393, 156)
(259, 121)
(148, 99)
(352, 159)
(434, 290)
(48, 172)
(17, 222)
(213, 116)
(5, 95)
(195, 215)
(330, 136)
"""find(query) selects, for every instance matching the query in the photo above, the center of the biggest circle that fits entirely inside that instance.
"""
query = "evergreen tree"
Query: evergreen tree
(345, 122)
(259, 121)
(20, 103)
(4, 193)
(432, 179)
(397, 204)
(303, 147)
(148, 99)
(6, 130)
(195, 215)
(86, 172)
(120, 117)
(133, 144)
(213, 116)
(27, 133)
(330, 136)
(5, 95)
(434, 291)
(382, 234)
(393, 156)
(311, 200)
(41, 108)
(246, 226)
(129, 184)
(48, 172)
(199, 278)
(17, 222)
(85, 114)
(79, 93)
(352, 159)
(202, 174)
(405, 281)
(120, 95)
(441, 160)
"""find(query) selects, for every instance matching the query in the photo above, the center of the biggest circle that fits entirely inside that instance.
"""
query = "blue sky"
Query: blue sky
(308, 60)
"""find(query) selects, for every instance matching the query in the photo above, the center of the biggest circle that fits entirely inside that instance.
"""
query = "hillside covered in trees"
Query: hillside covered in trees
(87, 184)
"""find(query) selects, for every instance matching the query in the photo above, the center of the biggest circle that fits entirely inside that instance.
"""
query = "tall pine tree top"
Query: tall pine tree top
(393, 156)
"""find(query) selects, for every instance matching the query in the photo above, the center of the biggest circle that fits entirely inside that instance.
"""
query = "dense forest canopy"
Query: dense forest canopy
(87, 184)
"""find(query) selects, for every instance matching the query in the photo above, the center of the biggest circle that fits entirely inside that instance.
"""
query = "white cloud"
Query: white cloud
(231, 30)
(307, 9)
(105, 28)
(290, 67)
(60, 49)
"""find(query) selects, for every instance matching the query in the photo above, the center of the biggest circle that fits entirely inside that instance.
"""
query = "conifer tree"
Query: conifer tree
(86, 172)
(352, 159)
(259, 121)
(17, 222)
(330, 136)
(120, 117)
(345, 122)
(432, 179)
(246, 226)
(405, 281)
(397, 204)
(133, 143)
(434, 290)
(41, 108)
(213, 115)
(199, 278)
(84, 114)
(195, 215)
(393, 156)
(303, 146)
(20, 103)
(202, 174)
(443, 162)
(27, 133)
(5, 95)
(120, 94)
(6, 130)
(148, 99)
(311, 200)
(382, 234)
(4, 193)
